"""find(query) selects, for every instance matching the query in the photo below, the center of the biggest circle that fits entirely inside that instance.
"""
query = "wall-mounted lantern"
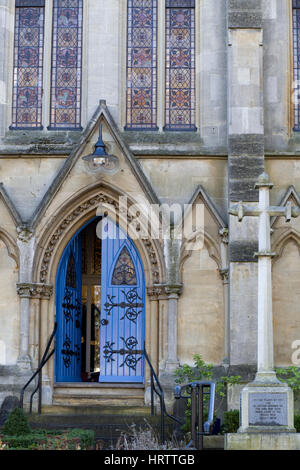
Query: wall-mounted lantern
(100, 161)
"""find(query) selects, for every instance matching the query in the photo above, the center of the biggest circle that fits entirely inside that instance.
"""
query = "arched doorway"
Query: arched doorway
(100, 307)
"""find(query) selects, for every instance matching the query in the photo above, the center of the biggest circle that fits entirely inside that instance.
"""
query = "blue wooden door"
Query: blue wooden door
(122, 309)
(68, 314)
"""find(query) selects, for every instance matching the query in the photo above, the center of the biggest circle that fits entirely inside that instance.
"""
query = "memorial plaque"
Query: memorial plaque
(268, 409)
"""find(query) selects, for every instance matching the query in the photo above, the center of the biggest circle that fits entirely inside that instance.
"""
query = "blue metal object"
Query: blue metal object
(195, 391)
(99, 147)
(122, 308)
(100, 160)
(68, 314)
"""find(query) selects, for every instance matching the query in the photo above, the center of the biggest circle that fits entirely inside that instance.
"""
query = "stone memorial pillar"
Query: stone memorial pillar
(267, 405)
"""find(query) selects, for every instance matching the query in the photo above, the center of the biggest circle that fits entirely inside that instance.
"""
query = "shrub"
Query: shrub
(202, 371)
(85, 436)
(75, 439)
(16, 424)
(291, 376)
(297, 422)
(26, 441)
(231, 421)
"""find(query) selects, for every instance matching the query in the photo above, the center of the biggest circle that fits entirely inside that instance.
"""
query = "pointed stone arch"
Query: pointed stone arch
(11, 246)
(77, 211)
(210, 241)
(289, 235)
(101, 115)
(210, 244)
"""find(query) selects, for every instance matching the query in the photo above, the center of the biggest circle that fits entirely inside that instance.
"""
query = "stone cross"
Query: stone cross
(265, 349)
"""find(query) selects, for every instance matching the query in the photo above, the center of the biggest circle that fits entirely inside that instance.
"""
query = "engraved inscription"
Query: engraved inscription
(268, 409)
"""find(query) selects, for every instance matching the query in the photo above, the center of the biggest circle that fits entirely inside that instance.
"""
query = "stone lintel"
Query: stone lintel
(243, 252)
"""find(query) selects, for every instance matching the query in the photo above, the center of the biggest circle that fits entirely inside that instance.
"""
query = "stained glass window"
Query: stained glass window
(66, 65)
(296, 48)
(141, 64)
(180, 65)
(124, 271)
(28, 65)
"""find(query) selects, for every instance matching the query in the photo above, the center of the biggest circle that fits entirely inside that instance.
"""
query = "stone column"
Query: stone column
(26, 243)
(46, 327)
(166, 374)
(265, 352)
(24, 360)
(245, 164)
(173, 293)
(154, 293)
(28, 292)
(224, 275)
(153, 339)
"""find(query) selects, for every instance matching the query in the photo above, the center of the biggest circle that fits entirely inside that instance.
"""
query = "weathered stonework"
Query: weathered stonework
(245, 14)
(243, 252)
(198, 301)
(34, 291)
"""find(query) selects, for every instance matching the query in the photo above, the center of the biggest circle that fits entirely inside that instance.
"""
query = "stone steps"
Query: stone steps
(108, 423)
(102, 410)
(93, 395)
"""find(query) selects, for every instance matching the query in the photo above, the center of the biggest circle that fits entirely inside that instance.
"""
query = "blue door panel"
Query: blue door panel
(122, 312)
(122, 330)
(68, 314)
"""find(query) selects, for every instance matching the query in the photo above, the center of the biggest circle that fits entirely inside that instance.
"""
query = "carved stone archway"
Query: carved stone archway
(53, 237)
(60, 233)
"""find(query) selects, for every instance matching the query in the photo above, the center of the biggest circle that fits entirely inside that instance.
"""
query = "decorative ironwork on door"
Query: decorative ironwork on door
(68, 313)
(122, 315)
(122, 311)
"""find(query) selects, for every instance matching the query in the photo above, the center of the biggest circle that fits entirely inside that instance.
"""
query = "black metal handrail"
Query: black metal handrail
(38, 372)
(158, 390)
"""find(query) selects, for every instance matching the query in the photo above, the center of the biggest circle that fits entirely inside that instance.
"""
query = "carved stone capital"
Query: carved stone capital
(224, 235)
(24, 234)
(156, 291)
(173, 290)
(34, 291)
(224, 275)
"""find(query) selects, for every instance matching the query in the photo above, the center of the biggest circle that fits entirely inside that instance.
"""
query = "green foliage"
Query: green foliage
(202, 371)
(16, 424)
(86, 436)
(231, 421)
(199, 372)
(291, 376)
(25, 441)
(75, 439)
(297, 422)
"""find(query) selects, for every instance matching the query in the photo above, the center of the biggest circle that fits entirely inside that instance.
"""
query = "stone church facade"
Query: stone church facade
(195, 98)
